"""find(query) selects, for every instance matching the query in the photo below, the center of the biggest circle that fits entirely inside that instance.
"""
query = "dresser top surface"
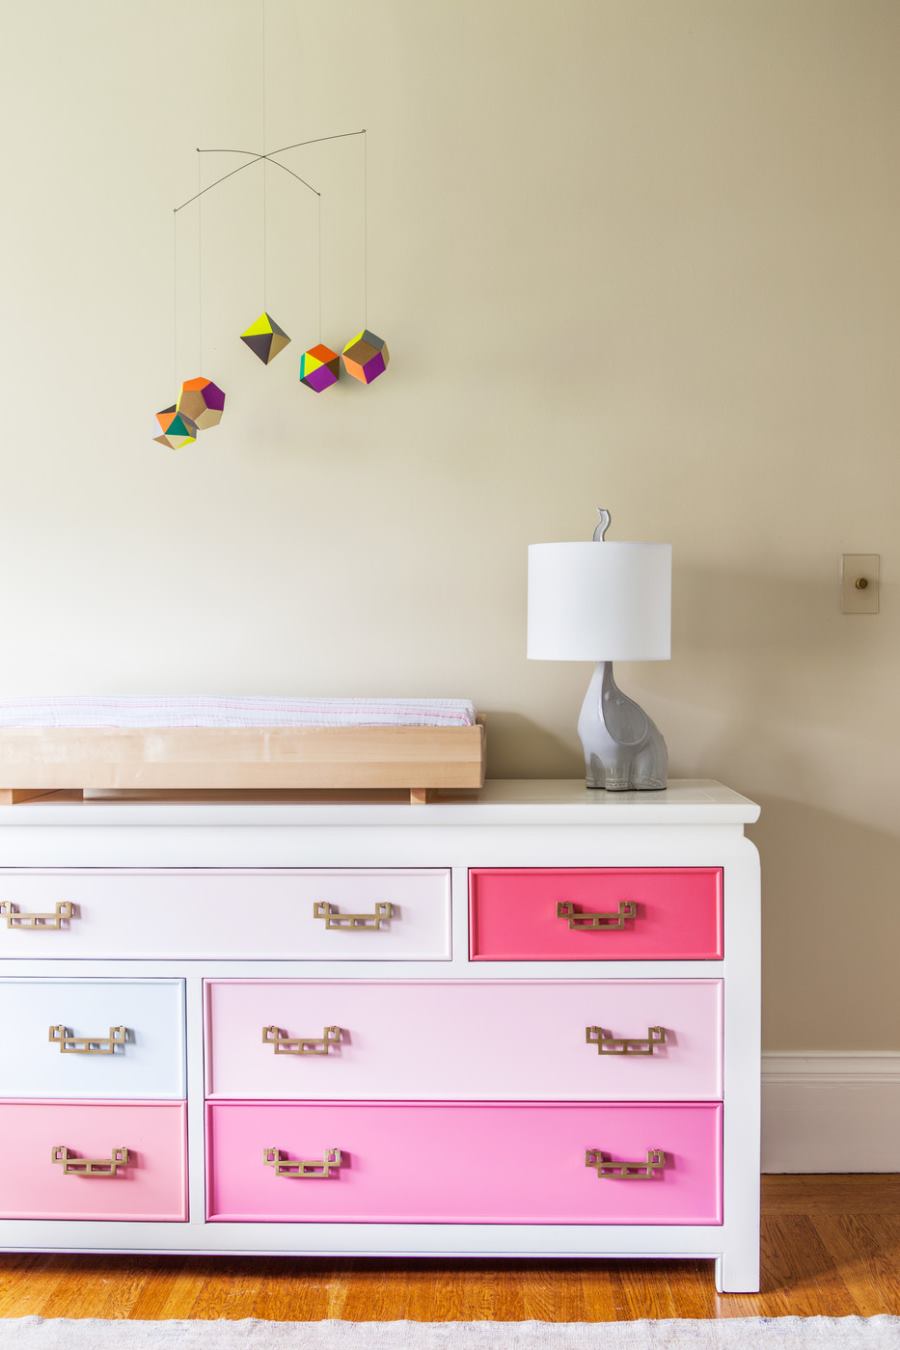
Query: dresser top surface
(502, 801)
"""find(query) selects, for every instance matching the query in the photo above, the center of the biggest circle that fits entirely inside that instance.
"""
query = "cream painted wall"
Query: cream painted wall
(641, 252)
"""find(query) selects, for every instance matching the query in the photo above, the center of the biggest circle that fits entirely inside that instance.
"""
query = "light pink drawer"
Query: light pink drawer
(93, 1160)
(465, 1039)
(463, 1163)
(323, 914)
(595, 914)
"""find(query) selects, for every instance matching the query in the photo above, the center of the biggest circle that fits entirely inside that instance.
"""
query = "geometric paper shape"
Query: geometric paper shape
(178, 429)
(366, 356)
(320, 368)
(202, 401)
(265, 338)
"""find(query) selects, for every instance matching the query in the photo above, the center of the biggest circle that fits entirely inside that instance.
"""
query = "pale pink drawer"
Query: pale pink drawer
(322, 914)
(452, 1162)
(465, 1039)
(56, 1161)
(595, 914)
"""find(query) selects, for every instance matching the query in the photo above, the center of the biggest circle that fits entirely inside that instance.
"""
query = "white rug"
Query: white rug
(739, 1333)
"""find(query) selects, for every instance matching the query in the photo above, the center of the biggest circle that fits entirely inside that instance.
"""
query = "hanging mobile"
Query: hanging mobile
(366, 355)
(320, 367)
(177, 429)
(265, 338)
(201, 402)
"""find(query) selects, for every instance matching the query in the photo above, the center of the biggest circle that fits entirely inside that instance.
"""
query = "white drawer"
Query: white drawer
(273, 914)
(61, 1038)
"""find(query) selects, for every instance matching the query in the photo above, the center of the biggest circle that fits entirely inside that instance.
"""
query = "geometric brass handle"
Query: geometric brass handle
(87, 1045)
(284, 1044)
(362, 922)
(64, 911)
(626, 1045)
(89, 1167)
(301, 1168)
(626, 1171)
(592, 922)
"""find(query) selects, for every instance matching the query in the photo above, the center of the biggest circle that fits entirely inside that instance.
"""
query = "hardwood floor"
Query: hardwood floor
(830, 1245)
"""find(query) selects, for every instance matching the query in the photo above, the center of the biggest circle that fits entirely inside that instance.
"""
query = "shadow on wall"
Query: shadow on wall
(774, 656)
(758, 697)
(831, 929)
(516, 743)
(767, 615)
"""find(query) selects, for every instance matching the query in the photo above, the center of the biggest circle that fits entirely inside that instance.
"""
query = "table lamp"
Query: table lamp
(606, 602)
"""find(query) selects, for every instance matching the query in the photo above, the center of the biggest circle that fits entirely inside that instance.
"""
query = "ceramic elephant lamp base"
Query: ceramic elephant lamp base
(604, 602)
(624, 750)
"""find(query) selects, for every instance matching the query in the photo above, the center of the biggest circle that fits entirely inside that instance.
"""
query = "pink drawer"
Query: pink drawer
(595, 914)
(45, 1149)
(465, 1039)
(459, 1162)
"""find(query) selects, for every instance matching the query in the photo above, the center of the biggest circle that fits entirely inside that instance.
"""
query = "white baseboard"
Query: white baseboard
(826, 1112)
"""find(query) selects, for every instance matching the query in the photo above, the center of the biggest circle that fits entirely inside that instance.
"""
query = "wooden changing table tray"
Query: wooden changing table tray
(35, 761)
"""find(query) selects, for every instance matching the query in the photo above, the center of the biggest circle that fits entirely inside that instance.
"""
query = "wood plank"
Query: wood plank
(799, 1276)
(850, 1193)
(685, 1291)
(172, 1283)
(26, 1281)
(869, 1247)
(240, 758)
(165, 1277)
(837, 1251)
(9, 796)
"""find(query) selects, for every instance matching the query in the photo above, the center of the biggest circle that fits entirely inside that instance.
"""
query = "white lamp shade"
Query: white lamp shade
(598, 601)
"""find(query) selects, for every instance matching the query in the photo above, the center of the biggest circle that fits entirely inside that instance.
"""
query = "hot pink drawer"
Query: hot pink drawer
(93, 1160)
(459, 1162)
(465, 1039)
(595, 914)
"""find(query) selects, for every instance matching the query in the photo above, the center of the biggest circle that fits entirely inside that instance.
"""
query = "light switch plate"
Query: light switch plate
(860, 583)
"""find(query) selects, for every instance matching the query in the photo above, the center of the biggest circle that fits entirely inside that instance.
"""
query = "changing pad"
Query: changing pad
(239, 711)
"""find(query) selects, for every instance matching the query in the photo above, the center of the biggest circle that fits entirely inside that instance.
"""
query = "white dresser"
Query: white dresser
(522, 1024)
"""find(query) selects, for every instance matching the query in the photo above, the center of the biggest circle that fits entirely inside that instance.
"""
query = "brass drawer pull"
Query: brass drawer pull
(384, 912)
(301, 1167)
(607, 1044)
(64, 911)
(302, 1045)
(89, 1167)
(592, 922)
(87, 1045)
(626, 1171)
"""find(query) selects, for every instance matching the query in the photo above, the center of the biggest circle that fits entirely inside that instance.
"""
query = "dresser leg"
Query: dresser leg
(738, 1272)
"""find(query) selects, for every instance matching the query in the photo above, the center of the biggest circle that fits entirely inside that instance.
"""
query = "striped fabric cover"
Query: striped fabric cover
(240, 711)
